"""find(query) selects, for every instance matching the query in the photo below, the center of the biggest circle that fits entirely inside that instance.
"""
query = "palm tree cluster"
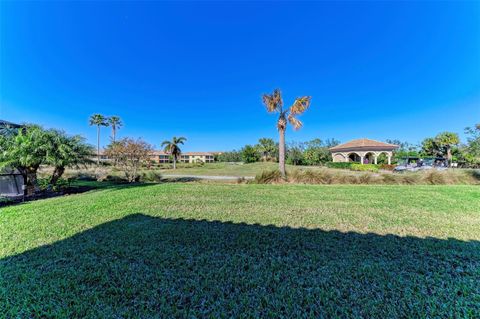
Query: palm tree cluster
(29, 148)
(100, 120)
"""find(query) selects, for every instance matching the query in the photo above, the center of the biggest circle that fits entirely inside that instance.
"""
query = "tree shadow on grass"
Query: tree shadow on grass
(143, 266)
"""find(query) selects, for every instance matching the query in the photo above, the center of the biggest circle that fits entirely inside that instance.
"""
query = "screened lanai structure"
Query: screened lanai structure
(363, 151)
(11, 181)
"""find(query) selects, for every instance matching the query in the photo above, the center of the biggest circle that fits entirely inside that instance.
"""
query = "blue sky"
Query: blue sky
(397, 70)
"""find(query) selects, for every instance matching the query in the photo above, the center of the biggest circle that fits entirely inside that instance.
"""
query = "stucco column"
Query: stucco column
(375, 159)
(361, 159)
(389, 159)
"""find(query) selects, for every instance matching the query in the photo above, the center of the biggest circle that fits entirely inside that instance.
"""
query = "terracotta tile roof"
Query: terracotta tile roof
(363, 143)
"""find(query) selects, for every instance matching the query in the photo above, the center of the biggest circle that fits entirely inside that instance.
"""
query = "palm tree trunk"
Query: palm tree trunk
(174, 162)
(281, 153)
(114, 133)
(98, 145)
(449, 155)
(57, 173)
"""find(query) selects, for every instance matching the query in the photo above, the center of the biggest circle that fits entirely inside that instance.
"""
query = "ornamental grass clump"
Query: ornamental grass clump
(269, 177)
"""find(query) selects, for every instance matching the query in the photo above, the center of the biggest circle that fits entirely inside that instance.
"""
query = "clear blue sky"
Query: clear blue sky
(380, 70)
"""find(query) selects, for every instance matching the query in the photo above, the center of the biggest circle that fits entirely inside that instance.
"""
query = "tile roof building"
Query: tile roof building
(363, 151)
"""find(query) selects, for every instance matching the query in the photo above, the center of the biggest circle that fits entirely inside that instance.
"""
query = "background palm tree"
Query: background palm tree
(274, 104)
(116, 123)
(172, 147)
(98, 120)
(447, 140)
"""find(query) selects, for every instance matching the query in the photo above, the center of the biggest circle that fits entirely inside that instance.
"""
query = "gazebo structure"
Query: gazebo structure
(362, 151)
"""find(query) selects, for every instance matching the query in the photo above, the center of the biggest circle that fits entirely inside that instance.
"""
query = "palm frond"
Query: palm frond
(296, 123)
(273, 102)
(300, 105)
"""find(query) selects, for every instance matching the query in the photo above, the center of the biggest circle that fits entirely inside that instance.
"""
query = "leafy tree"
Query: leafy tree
(129, 155)
(25, 151)
(317, 152)
(173, 148)
(430, 147)
(295, 152)
(65, 151)
(249, 154)
(267, 148)
(233, 156)
(447, 140)
(98, 120)
(274, 104)
(115, 123)
(473, 140)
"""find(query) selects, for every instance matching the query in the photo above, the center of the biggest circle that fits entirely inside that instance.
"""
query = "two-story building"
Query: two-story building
(187, 157)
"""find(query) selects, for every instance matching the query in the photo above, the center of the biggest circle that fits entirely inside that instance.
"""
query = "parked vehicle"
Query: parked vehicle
(413, 164)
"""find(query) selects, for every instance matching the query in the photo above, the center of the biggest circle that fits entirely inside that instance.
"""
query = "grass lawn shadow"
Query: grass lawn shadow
(143, 266)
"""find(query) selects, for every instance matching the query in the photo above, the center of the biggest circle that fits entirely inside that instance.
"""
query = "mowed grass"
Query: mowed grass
(225, 250)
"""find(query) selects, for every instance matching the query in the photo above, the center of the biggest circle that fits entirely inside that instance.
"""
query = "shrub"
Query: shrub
(249, 154)
(44, 184)
(311, 177)
(366, 179)
(434, 177)
(151, 176)
(269, 177)
(390, 179)
(387, 167)
(364, 167)
(341, 165)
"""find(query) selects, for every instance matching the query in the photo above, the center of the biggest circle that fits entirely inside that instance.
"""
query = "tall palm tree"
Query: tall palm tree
(98, 120)
(172, 147)
(447, 140)
(274, 104)
(116, 123)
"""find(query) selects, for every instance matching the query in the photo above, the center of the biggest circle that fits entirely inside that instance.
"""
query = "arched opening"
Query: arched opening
(337, 157)
(369, 158)
(354, 157)
(382, 158)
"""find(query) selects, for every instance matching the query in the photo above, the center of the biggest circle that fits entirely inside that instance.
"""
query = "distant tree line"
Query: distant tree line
(316, 151)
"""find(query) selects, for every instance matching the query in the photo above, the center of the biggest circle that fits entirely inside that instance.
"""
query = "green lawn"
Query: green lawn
(225, 250)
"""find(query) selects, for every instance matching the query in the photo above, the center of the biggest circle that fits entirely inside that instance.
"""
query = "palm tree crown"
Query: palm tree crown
(173, 147)
(116, 123)
(98, 120)
(274, 104)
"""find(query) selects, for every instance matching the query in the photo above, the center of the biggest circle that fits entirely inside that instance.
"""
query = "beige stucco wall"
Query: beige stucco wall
(344, 156)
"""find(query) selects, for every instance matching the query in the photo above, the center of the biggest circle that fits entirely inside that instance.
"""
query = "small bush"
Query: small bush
(311, 177)
(434, 177)
(269, 177)
(151, 176)
(341, 165)
(366, 179)
(387, 167)
(410, 179)
(44, 184)
(390, 179)
(364, 167)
